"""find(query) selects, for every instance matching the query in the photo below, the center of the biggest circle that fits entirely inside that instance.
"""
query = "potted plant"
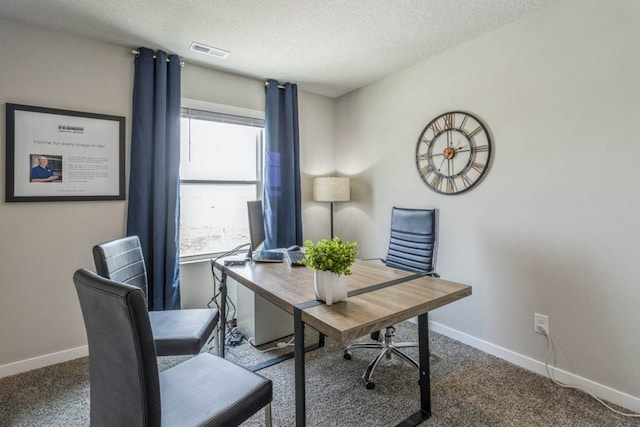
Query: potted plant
(331, 261)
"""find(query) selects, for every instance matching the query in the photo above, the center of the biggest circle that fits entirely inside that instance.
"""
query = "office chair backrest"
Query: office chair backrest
(124, 379)
(413, 241)
(122, 260)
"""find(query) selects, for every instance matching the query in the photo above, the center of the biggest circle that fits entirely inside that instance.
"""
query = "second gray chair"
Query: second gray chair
(413, 246)
(175, 332)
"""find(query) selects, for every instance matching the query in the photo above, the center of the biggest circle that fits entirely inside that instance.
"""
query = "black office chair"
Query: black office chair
(126, 388)
(176, 332)
(412, 246)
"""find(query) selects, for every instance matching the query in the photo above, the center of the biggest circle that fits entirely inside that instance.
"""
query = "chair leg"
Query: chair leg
(347, 350)
(387, 348)
(213, 340)
(406, 345)
(267, 415)
(372, 366)
(405, 357)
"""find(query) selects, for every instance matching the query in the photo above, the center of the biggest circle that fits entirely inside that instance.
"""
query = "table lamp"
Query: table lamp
(331, 189)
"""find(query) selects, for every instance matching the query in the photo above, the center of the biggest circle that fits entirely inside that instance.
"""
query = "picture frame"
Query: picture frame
(63, 155)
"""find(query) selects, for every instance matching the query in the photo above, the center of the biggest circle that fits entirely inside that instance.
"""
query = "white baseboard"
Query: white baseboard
(607, 393)
(42, 361)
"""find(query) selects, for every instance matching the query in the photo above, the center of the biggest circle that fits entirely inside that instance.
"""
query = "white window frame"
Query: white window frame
(229, 114)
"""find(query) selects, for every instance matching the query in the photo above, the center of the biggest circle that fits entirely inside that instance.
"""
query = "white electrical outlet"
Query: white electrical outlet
(540, 323)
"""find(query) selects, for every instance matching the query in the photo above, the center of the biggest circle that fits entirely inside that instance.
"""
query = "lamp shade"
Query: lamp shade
(331, 189)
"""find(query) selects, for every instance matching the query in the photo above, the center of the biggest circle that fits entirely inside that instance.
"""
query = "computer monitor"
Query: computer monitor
(256, 226)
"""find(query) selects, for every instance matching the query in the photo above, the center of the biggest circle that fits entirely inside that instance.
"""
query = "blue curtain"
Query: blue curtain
(282, 199)
(154, 178)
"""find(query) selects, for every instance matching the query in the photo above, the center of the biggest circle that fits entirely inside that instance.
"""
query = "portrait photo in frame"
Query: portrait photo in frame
(63, 155)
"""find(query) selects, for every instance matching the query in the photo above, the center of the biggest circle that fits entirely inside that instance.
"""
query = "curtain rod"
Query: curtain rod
(136, 53)
(279, 86)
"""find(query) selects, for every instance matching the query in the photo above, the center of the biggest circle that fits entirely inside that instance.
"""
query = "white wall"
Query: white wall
(553, 228)
(317, 158)
(42, 244)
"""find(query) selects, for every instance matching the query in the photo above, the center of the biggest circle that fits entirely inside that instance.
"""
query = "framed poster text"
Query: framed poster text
(61, 155)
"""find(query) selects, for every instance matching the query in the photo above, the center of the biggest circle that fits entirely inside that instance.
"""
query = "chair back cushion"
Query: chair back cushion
(413, 240)
(123, 371)
(122, 260)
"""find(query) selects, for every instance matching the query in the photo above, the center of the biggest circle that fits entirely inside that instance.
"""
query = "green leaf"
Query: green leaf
(330, 255)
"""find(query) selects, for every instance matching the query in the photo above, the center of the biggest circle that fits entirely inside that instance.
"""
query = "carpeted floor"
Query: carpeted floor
(469, 388)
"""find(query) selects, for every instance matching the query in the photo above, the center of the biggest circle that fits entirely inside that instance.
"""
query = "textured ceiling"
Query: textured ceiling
(329, 47)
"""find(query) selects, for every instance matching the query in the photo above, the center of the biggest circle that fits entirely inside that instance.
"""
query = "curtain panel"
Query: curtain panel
(282, 195)
(153, 210)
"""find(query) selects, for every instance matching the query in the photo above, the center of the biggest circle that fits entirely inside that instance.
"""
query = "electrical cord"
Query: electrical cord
(552, 350)
(216, 279)
(278, 346)
(231, 320)
(233, 335)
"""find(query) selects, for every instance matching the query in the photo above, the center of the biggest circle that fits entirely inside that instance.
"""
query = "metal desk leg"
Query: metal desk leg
(298, 332)
(425, 367)
(425, 381)
(223, 313)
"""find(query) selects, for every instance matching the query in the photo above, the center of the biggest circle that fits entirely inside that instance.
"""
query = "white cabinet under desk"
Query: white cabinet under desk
(258, 318)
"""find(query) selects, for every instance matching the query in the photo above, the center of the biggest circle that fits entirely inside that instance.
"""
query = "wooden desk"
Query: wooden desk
(379, 296)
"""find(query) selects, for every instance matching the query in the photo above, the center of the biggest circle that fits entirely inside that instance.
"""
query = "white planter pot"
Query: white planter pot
(330, 287)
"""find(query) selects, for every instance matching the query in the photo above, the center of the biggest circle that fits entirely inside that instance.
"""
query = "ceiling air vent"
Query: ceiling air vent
(208, 50)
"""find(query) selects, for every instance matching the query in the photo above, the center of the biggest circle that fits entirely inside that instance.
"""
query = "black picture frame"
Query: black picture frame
(63, 155)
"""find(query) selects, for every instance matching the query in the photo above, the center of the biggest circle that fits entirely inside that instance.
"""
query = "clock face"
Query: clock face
(453, 152)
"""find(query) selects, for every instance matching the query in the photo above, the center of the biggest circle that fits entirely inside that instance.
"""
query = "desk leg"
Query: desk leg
(223, 314)
(425, 367)
(298, 332)
(425, 381)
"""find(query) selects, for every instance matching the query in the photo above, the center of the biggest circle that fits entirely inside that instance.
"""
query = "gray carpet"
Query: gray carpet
(469, 388)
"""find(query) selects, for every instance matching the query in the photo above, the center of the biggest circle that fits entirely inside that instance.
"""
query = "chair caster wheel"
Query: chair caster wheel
(370, 385)
(347, 355)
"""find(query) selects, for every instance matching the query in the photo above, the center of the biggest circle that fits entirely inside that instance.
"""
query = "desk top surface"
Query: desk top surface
(287, 287)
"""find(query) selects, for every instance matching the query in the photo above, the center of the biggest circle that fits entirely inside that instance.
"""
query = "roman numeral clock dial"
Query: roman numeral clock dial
(453, 152)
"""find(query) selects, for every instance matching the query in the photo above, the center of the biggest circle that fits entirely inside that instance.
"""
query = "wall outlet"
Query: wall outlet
(540, 323)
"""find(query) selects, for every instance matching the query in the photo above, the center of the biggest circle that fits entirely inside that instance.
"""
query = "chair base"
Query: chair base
(387, 348)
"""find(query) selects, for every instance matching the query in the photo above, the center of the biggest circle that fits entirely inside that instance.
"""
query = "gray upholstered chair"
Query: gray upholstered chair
(175, 332)
(126, 388)
(413, 246)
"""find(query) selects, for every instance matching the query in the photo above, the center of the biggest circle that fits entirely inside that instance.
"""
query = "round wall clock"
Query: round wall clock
(453, 152)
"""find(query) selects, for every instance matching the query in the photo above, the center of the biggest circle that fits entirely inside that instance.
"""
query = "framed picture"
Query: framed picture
(61, 155)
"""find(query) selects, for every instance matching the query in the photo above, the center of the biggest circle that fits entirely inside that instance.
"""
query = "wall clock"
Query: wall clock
(453, 152)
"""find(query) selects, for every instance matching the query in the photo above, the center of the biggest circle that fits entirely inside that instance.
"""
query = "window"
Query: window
(220, 170)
